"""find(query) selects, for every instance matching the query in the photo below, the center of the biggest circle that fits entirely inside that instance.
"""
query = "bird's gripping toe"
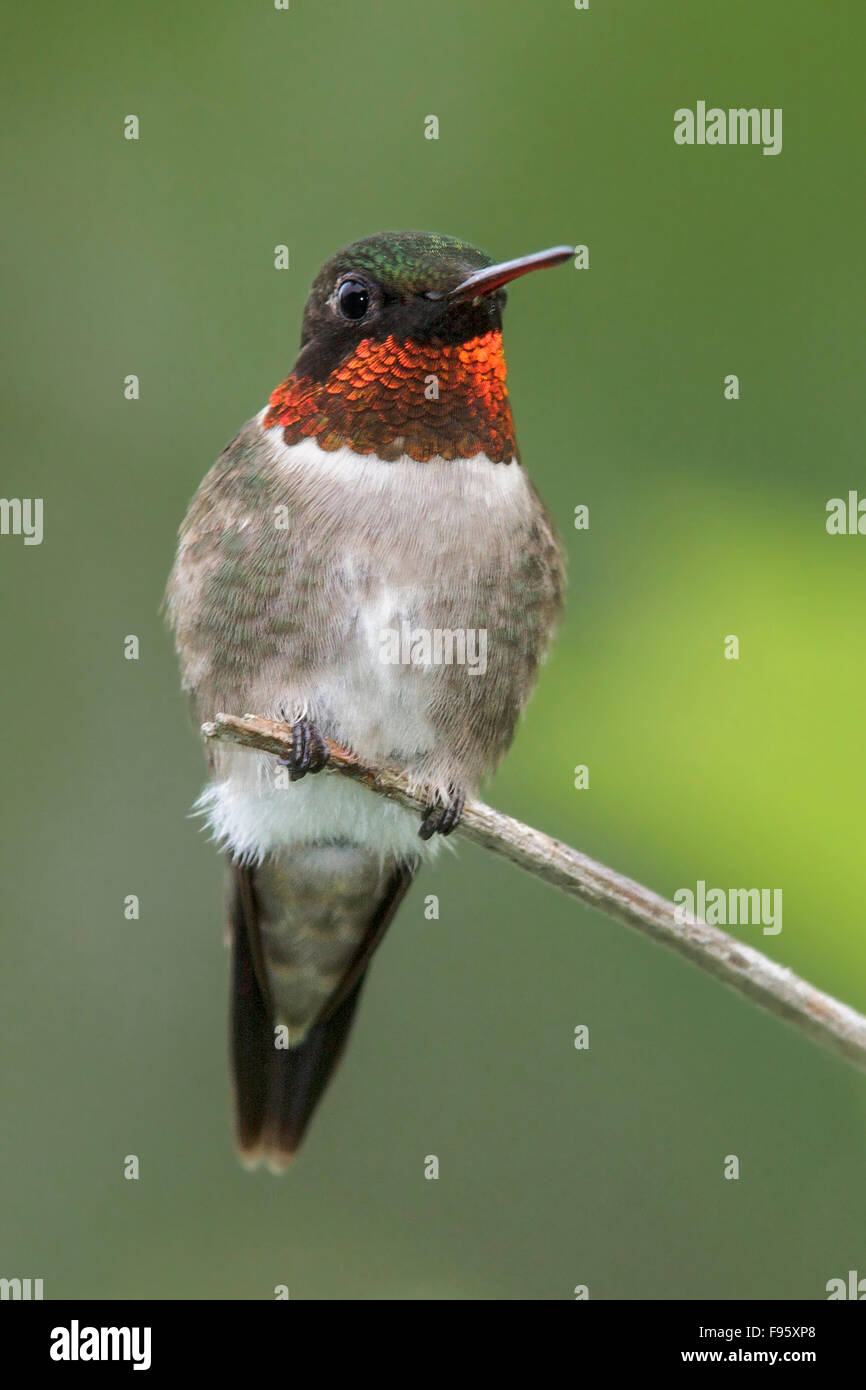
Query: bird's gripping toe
(442, 817)
(309, 749)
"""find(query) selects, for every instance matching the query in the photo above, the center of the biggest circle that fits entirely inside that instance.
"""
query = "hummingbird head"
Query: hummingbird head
(401, 351)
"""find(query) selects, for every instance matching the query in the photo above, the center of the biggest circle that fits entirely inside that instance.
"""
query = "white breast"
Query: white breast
(436, 511)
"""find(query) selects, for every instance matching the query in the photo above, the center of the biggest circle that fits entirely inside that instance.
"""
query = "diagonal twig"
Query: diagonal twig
(746, 970)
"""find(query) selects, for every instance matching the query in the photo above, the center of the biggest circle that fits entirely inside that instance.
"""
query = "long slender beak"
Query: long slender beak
(493, 277)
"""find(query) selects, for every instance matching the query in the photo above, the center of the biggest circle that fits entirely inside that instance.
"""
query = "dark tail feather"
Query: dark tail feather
(298, 1076)
(251, 1039)
(277, 1089)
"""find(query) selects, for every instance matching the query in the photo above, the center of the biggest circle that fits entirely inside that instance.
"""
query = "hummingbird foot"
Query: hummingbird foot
(440, 819)
(309, 750)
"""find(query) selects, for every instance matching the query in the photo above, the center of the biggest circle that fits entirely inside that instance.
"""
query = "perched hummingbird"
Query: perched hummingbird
(337, 570)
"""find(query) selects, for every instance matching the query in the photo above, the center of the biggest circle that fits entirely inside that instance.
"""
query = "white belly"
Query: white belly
(251, 815)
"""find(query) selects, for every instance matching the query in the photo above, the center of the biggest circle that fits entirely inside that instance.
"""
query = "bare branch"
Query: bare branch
(819, 1015)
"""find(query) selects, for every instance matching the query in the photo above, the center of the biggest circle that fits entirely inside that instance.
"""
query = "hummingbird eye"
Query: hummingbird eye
(353, 299)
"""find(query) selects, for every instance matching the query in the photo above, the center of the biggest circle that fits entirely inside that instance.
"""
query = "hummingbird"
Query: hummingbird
(341, 568)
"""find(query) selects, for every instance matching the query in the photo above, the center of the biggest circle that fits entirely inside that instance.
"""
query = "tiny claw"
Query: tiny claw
(441, 819)
(309, 750)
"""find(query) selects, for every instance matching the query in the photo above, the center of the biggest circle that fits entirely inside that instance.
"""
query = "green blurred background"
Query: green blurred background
(707, 518)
